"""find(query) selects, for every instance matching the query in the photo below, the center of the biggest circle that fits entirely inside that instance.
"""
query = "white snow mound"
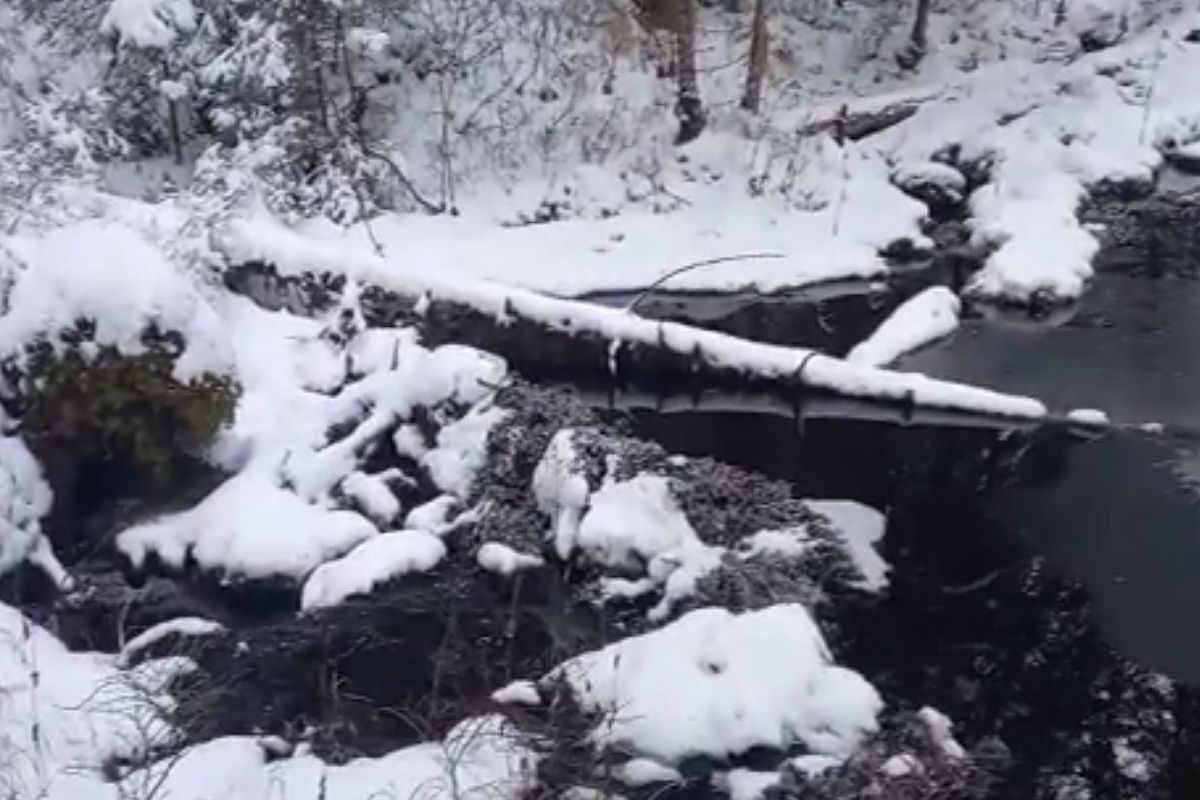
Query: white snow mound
(249, 527)
(714, 683)
(373, 562)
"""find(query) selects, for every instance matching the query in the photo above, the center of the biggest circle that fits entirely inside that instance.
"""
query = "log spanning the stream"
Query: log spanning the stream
(543, 336)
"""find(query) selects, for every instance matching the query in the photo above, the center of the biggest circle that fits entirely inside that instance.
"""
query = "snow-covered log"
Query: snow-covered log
(543, 336)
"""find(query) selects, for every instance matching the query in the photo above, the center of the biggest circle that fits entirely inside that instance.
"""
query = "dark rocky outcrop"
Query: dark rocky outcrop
(1153, 233)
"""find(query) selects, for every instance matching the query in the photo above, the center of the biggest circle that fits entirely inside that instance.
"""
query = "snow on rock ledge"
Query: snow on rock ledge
(250, 527)
(624, 525)
(501, 559)
(716, 684)
(927, 317)
(180, 626)
(373, 562)
(860, 528)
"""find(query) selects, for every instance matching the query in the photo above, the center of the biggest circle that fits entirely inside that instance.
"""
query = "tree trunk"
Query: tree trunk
(921, 26)
(757, 67)
(917, 39)
(688, 109)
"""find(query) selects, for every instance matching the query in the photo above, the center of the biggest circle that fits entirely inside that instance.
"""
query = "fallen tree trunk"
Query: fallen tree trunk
(857, 125)
(544, 336)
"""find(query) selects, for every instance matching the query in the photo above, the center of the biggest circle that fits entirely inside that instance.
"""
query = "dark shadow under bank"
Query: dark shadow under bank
(1040, 579)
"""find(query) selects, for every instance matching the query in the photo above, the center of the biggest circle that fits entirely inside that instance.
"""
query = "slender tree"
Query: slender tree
(689, 109)
(757, 67)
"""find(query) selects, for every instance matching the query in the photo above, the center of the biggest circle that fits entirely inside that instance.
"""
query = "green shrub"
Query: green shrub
(98, 403)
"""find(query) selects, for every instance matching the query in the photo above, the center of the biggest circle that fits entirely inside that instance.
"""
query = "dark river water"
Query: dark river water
(1023, 558)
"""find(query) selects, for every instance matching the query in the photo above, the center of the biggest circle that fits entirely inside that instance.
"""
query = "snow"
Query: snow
(916, 175)
(149, 23)
(924, 318)
(638, 248)
(278, 515)
(373, 496)
(714, 683)
(1105, 20)
(748, 784)
(1004, 86)
(861, 529)
(432, 516)
(248, 527)
(461, 450)
(1132, 764)
(503, 560)
(787, 543)
(901, 765)
(561, 491)
(410, 441)
(1030, 218)
(940, 728)
(814, 764)
(1089, 416)
(180, 626)
(644, 771)
(25, 498)
(63, 715)
(482, 758)
(371, 563)
(1049, 123)
(633, 521)
(524, 693)
(623, 525)
(104, 271)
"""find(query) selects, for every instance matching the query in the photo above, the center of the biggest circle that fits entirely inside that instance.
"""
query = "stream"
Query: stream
(1026, 561)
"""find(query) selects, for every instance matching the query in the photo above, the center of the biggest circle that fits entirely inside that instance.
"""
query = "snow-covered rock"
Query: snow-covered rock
(432, 515)
(940, 729)
(149, 23)
(861, 529)
(523, 693)
(716, 684)
(627, 524)
(372, 495)
(1099, 23)
(503, 560)
(461, 449)
(180, 626)
(249, 527)
(371, 563)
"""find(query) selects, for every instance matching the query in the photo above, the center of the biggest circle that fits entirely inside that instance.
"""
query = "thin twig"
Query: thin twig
(632, 307)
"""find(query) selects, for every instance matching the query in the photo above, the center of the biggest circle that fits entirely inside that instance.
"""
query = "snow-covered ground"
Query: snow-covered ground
(1004, 93)
(1004, 90)
(66, 720)
(716, 684)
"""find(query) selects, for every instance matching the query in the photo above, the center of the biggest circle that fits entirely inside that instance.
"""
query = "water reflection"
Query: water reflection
(1119, 514)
